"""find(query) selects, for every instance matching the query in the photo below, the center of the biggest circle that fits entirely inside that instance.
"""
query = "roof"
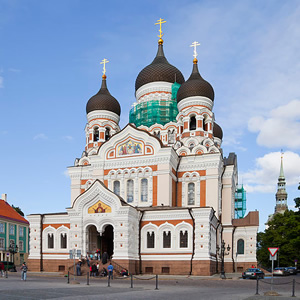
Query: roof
(7, 212)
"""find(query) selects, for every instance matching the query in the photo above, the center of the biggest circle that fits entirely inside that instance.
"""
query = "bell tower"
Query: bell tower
(281, 195)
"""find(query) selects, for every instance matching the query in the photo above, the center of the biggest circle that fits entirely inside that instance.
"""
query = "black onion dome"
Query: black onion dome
(159, 70)
(217, 131)
(103, 100)
(195, 86)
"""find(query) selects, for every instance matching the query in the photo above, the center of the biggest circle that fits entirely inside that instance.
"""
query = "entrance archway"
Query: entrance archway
(107, 241)
(93, 240)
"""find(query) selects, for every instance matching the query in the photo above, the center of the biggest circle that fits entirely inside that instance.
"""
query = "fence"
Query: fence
(290, 285)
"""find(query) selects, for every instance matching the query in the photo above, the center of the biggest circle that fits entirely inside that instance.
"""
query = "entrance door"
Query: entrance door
(93, 240)
(107, 241)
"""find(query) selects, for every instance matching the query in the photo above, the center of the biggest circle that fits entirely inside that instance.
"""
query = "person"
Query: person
(110, 269)
(87, 260)
(78, 269)
(124, 273)
(94, 270)
(97, 274)
(24, 271)
(2, 268)
(103, 273)
(104, 258)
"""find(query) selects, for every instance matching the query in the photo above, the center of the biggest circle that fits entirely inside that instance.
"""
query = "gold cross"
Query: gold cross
(195, 44)
(159, 22)
(104, 61)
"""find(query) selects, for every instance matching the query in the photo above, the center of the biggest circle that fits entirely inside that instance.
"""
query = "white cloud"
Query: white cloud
(1, 82)
(68, 138)
(263, 178)
(281, 128)
(40, 136)
(14, 70)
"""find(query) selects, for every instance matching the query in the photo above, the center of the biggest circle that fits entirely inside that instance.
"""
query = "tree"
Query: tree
(297, 200)
(283, 232)
(18, 210)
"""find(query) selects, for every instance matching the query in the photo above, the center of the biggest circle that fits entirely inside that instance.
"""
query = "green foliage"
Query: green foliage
(18, 210)
(283, 232)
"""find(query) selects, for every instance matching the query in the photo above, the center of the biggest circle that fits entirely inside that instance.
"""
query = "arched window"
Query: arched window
(130, 190)
(144, 190)
(240, 246)
(183, 239)
(150, 239)
(96, 134)
(117, 187)
(193, 123)
(50, 241)
(63, 240)
(157, 133)
(167, 239)
(191, 193)
(107, 133)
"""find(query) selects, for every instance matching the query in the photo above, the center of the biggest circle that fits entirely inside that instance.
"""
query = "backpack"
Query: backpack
(24, 268)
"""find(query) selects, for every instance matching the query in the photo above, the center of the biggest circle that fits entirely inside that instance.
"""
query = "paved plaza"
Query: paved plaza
(55, 286)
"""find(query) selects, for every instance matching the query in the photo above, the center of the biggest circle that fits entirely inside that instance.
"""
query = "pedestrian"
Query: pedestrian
(87, 260)
(24, 271)
(78, 269)
(2, 268)
(110, 269)
(94, 270)
(104, 258)
(97, 274)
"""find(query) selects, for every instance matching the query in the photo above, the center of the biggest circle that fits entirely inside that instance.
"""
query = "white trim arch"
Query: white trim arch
(150, 227)
(183, 226)
(187, 178)
(49, 230)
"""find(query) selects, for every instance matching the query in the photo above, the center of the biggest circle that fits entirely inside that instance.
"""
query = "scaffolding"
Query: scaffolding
(153, 112)
(240, 202)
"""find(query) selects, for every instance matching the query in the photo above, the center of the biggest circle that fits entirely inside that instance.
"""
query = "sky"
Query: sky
(50, 58)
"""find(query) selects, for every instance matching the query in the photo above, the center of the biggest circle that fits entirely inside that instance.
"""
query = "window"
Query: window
(144, 190)
(107, 133)
(21, 246)
(167, 239)
(191, 193)
(11, 229)
(240, 246)
(2, 243)
(63, 240)
(50, 241)
(171, 136)
(117, 187)
(130, 191)
(1, 227)
(21, 231)
(96, 134)
(193, 123)
(150, 239)
(183, 240)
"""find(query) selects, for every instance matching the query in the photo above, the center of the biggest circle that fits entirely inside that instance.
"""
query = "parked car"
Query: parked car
(253, 273)
(292, 270)
(282, 271)
(10, 266)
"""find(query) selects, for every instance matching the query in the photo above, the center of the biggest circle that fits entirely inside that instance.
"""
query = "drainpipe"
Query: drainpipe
(217, 264)
(176, 185)
(193, 253)
(41, 243)
(140, 239)
(232, 244)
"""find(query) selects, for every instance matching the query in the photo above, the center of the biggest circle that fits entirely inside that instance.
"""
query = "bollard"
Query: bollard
(108, 282)
(68, 276)
(131, 281)
(156, 282)
(293, 291)
(256, 286)
(87, 278)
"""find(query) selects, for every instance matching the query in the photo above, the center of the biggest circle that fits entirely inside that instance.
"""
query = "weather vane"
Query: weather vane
(104, 61)
(195, 44)
(159, 22)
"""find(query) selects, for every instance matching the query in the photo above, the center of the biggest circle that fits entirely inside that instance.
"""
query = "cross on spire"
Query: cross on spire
(159, 22)
(104, 61)
(195, 44)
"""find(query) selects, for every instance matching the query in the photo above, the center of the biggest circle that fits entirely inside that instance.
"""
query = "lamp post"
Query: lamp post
(222, 253)
(13, 249)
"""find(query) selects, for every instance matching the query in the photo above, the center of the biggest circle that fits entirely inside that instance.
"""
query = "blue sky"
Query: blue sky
(49, 68)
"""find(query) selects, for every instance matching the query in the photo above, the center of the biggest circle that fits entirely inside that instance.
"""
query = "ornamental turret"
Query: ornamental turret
(281, 195)
(103, 114)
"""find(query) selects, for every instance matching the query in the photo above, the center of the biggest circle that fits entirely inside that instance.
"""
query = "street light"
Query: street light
(222, 253)
(13, 249)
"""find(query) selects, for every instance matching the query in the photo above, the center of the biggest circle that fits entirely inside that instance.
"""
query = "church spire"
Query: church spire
(281, 195)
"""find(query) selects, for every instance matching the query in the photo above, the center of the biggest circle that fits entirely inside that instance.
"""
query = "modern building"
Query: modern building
(157, 195)
(14, 234)
(240, 202)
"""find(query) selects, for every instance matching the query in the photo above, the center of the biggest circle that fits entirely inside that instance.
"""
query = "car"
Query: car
(282, 271)
(292, 270)
(253, 273)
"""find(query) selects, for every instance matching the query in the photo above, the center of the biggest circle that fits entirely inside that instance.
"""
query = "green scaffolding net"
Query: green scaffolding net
(240, 202)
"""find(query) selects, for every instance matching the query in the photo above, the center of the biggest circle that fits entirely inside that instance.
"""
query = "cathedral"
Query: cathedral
(157, 195)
